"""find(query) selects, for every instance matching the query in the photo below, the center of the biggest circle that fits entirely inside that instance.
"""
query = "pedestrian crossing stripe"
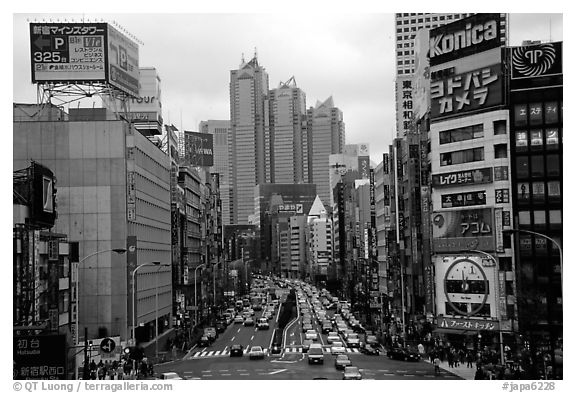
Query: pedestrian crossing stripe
(225, 352)
(326, 350)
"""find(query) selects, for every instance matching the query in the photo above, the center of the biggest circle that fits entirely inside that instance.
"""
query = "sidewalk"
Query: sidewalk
(462, 371)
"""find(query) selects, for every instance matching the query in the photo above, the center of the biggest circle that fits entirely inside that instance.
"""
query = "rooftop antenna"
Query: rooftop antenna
(550, 27)
(255, 53)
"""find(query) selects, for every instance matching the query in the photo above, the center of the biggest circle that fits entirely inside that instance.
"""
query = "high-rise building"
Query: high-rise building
(220, 129)
(407, 24)
(249, 161)
(286, 129)
(326, 135)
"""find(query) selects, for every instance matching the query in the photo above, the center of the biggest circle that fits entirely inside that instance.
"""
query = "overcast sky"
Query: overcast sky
(349, 56)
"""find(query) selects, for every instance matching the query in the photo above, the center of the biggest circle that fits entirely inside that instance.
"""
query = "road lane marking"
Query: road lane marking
(225, 374)
(277, 371)
(238, 330)
(244, 374)
(252, 338)
(410, 375)
(232, 339)
(206, 371)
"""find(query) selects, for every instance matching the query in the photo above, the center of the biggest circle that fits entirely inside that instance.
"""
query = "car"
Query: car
(220, 327)
(311, 335)
(204, 341)
(263, 324)
(326, 328)
(256, 352)
(353, 340)
(405, 354)
(332, 336)
(342, 361)
(337, 348)
(352, 372)
(315, 354)
(238, 319)
(369, 350)
(306, 345)
(371, 340)
(306, 327)
(358, 328)
(170, 375)
(257, 307)
(268, 315)
(236, 350)
(249, 322)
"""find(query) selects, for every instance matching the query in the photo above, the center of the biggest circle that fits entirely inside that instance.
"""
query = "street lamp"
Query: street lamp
(514, 230)
(496, 286)
(195, 295)
(117, 251)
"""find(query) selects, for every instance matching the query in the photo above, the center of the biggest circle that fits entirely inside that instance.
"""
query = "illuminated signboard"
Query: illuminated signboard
(291, 208)
(468, 324)
(404, 105)
(533, 61)
(473, 176)
(462, 230)
(464, 199)
(468, 91)
(83, 52)
(40, 357)
(465, 37)
(198, 149)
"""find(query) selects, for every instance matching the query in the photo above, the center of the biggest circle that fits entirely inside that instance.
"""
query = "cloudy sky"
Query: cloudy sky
(347, 55)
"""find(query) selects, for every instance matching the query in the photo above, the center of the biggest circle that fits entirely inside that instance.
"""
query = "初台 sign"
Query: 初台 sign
(465, 92)
(40, 357)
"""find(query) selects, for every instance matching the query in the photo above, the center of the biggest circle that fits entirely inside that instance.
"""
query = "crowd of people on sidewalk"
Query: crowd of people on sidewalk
(120, 370)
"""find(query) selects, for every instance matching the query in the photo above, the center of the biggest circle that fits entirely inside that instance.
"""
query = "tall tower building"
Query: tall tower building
(325, 135)
(220, 129)
(407, 24)
(248, 91)
(286, 128)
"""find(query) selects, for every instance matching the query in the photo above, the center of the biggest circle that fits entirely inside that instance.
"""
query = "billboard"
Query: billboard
(198, 149)
(43, 201)
(39, 357)
(534, 61)
(404, 105)
(83, 52)
(421, 82)
(472, 176)
(475, 34)
(459, 230)
(472, 90)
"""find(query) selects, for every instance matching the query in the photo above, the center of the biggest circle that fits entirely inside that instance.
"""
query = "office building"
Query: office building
(249, 161)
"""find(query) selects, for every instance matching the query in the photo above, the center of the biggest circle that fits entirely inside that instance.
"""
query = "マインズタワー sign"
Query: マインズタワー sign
(83, 52)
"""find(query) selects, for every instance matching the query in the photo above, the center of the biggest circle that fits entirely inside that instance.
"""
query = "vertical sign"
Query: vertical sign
(502, 295)
(131, 263)
(498, 230)
(36, 262)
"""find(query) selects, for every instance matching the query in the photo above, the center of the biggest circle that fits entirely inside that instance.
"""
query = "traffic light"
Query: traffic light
(134, 353)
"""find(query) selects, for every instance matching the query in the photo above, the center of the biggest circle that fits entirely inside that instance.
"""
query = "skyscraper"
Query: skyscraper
(248, 92)
(222, 158)
(325, 135)
(407, 24)
(286, 128)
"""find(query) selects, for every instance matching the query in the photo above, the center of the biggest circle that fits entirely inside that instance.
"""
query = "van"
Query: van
(315, 354)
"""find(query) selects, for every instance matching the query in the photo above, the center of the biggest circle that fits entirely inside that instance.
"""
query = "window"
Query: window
(501, 150)
(555, 217)
(553, 165)
(554, 190)
(539, 217)
(522, 167)
(505, 263)
(551, 112)
(535, 113)
(537, 166)
(536, 140)
(520, 115)
(462, 156)
(521, 140)
(462, 134)
(552, 138)
(538, 191)
(500, 127)
(524, 219)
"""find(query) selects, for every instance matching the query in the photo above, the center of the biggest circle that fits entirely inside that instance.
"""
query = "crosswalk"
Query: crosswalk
(226, 352)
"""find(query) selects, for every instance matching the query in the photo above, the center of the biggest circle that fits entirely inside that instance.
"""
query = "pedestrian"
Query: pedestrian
(469, 359)
(421, 349)
(450, 359)
(436, 363)
(479, 373)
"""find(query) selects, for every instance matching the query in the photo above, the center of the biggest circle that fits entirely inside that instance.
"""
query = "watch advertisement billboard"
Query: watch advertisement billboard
(462, 230)
(465, 37)
(83, 52)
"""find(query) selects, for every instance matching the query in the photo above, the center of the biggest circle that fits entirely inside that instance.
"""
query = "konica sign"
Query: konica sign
(465, 37)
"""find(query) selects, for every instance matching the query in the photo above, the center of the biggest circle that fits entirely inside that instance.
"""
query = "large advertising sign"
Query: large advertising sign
(472, 176)
(536, 66)
(40, 357)
(468, 324)
(198, 149)
(404, 105)
(43, 203)
(83, 52)
(421, 82)
(465, 37)
(459, 230)
(472, 90)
